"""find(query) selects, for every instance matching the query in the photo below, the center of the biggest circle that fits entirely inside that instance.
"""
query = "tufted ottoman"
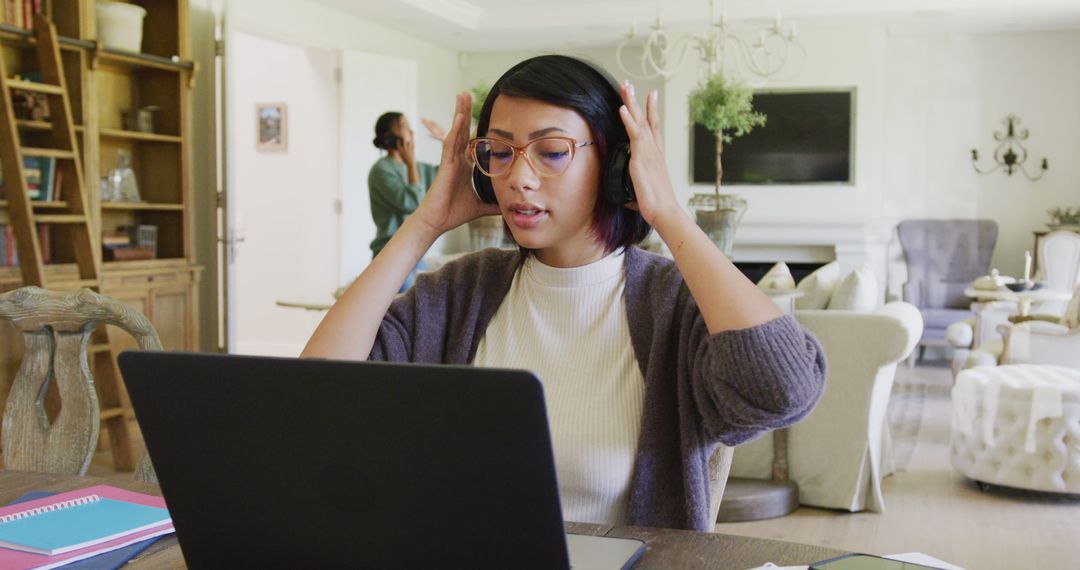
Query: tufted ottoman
(1018, 426)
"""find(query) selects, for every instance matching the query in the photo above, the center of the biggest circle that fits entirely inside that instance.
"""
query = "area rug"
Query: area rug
(906, 405)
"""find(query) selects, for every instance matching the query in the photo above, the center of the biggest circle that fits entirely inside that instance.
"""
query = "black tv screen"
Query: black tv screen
(806, 139)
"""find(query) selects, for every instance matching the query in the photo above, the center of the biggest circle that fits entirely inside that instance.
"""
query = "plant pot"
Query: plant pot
(719, 218)
(120, 26)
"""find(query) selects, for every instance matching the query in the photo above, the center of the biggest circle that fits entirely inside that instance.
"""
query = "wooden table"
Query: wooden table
(666, 548)
(304, 305)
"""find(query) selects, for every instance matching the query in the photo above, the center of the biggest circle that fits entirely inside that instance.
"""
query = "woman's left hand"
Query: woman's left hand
(648, 170)
(434, 130)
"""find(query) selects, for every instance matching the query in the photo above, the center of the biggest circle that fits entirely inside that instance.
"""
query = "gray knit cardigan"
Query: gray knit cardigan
(700, 389)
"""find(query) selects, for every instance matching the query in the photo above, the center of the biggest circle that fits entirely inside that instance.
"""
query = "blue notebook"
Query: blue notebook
(75, 526)
(112, 560)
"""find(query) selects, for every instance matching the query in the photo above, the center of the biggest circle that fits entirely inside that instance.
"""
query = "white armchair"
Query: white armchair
(1039, 342)
(1046, 339)
(837, 454)
(1059, 267)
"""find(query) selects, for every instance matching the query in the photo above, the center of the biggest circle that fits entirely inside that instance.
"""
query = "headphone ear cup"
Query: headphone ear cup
(481, 185)
(618, 187)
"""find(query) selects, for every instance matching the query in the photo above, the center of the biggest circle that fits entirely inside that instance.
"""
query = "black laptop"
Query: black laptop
(299, 463)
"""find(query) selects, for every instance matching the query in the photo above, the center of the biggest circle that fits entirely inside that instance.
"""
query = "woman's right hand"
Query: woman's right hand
(451, 201)
(407, 151)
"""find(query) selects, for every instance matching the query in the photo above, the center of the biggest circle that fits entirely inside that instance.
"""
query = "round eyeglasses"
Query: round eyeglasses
(548, 156)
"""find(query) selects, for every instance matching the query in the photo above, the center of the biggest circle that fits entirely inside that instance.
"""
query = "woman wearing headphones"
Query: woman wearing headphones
(397, 182)
(647, 364)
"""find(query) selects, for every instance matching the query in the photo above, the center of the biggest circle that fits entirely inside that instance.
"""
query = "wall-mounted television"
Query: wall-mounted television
(807, 139)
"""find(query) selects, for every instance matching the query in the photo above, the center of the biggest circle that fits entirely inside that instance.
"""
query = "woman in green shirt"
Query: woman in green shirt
(397, 182)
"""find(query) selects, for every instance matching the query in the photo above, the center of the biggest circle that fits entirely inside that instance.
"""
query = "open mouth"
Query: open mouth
(526, 215)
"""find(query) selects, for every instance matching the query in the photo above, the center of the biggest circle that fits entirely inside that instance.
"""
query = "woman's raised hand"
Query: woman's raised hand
(451, 201)
(434, 130)
(648, 170)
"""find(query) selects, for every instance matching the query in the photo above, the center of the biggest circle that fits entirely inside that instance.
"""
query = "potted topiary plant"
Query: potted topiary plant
(487, 231)
(725, 107)
(479, 95)
(1064, 219)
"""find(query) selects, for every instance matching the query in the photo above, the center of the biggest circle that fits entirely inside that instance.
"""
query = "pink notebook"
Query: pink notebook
(16, 560)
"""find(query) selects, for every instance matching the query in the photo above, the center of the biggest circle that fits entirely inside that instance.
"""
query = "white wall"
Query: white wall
(1036, 77)
(949, 94)
(284, 200)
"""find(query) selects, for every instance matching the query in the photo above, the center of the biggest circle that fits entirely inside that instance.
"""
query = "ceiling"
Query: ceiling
(504, 25)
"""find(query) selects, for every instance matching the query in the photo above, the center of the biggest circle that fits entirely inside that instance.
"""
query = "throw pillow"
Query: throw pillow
(817, 288)
(857, 292)
(778, 277)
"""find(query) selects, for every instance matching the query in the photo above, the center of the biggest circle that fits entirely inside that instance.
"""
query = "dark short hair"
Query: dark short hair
(587, 89)
(383, 125)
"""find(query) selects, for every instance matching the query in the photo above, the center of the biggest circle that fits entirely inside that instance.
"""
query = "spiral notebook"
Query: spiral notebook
(55, 530)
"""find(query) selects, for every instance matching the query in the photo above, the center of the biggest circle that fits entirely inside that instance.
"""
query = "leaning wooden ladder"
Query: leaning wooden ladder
(71, 215)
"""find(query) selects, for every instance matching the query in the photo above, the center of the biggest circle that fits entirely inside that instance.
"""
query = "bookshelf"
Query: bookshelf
(104, 85)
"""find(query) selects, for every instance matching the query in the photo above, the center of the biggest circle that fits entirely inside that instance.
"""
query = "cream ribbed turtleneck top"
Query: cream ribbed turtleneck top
(568, 325)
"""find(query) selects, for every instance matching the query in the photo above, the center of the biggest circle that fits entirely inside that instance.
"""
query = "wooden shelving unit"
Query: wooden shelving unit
(142, 206)
(139, 136)
(104, 84)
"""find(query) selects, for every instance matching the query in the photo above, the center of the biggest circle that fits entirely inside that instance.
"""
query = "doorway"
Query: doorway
(282, 197)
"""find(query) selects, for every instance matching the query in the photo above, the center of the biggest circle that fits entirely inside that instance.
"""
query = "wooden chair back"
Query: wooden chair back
(56, 328)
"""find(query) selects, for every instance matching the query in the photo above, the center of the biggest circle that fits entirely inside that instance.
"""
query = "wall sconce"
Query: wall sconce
(1010, 154)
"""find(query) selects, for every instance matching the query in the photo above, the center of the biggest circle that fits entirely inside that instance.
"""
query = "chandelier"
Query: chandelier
(765, 57)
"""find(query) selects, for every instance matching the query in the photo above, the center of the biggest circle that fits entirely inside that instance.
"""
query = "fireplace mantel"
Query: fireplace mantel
(850, 244)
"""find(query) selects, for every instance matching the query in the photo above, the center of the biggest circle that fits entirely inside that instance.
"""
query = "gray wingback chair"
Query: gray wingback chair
(943, 258)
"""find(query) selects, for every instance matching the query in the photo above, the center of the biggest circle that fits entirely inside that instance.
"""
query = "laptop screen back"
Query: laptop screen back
(271, 462)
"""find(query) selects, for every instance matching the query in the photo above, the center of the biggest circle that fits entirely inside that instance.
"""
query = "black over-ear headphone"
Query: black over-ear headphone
(615, 182)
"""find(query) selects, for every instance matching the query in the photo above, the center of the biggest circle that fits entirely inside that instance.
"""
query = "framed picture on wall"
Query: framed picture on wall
(272, 132)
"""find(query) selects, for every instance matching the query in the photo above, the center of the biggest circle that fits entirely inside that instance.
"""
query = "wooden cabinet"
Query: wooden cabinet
(167, 297)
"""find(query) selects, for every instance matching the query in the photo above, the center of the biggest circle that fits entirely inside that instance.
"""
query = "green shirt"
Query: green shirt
(393, 198)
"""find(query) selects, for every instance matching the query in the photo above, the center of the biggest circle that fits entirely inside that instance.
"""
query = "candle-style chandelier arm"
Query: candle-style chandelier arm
(975, 163)
(768, 56)
(662, 57)
(1010, 153)
(659, 55)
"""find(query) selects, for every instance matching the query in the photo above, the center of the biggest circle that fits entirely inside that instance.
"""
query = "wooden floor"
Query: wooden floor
(931, 508)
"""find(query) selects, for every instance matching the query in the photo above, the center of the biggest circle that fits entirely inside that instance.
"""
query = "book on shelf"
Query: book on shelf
(127, 243)
(41, 178)
(129, 253)
(8, 256)
(56, 530)
(9, 252)
(115, 239)
(21, 13)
